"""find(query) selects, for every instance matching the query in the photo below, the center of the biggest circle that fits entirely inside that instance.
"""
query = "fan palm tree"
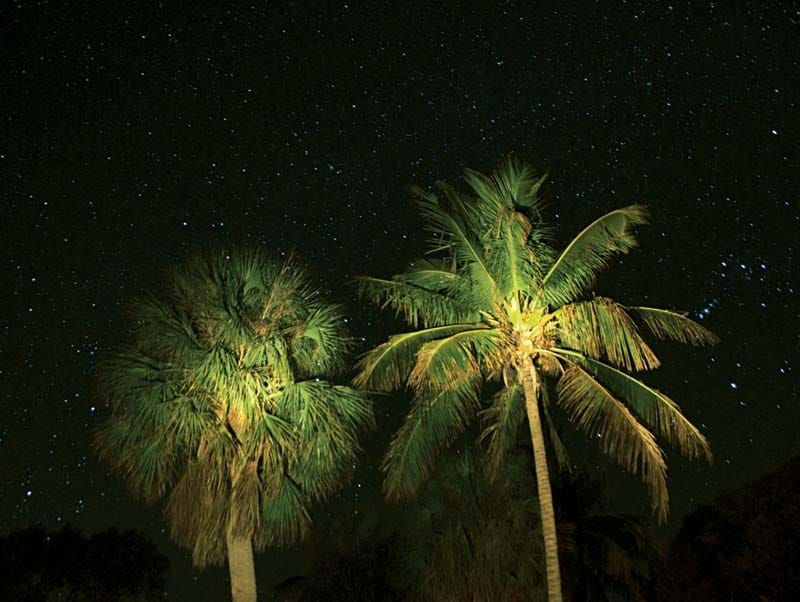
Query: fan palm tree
(220, 403)
(494, 302)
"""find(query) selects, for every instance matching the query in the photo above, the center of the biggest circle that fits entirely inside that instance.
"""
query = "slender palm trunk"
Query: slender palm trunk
(530, 384)
(240, 564)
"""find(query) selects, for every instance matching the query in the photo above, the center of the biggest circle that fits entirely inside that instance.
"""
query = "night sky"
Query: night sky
(134, 133)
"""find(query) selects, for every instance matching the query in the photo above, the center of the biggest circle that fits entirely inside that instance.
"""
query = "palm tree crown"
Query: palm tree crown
(220, 402)
(494, 302)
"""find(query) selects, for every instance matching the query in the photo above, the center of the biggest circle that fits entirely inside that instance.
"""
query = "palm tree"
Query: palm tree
(220, 403)
(494, 302)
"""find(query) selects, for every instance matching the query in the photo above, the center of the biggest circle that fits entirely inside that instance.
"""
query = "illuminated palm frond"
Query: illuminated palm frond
(654, 408)
(674, 326)
(575, 270)
(222, 403)
(602, 329)
(417, 304)
(501, 422)
(387, 367)
(431, 426)
(599, 413)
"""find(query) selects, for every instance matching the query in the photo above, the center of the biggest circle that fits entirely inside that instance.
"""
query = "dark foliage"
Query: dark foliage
(357, 571)
(604, 556)
(67, 565)
(744, 546)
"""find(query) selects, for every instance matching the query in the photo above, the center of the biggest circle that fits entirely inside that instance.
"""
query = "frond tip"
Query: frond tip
(674, 326)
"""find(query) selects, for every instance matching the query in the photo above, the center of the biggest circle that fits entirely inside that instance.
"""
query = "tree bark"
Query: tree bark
(242, 571)
(530, 384)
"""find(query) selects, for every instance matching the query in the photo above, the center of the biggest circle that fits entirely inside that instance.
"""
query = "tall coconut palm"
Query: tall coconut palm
(220, 403)
(494, 302)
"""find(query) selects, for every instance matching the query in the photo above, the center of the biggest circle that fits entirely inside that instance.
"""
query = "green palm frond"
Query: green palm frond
(387, 367)
(674, 326)
(657, 410)
(600, 413)
(321, 341)
(501, 422)
(284, 514)
(445, 359)
(512, 184)
(451, 234)
(415, 303)
(209, 406)
(431, 426)
(575, 269)
(326, 419)
(602, 329)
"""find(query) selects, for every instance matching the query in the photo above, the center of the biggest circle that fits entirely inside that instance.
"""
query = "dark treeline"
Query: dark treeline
(744, 547)
(67, 565)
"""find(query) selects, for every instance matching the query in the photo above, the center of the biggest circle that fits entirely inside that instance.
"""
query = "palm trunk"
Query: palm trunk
(530, 385)
(240, 564)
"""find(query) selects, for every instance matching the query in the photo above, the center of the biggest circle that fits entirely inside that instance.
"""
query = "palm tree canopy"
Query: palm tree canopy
(221, 400)
(493, 291)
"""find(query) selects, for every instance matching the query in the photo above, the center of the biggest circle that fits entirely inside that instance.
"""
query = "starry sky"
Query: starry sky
(133, 133)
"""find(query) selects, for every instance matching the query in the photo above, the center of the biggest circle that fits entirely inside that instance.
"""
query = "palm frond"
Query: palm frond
(322, 343)
(417, 305)
(675, 326)
(284, 514)
(197, 511)
(602, 329)
(452, 234)
(501, 422)
(244, 512)
(657, 410)
(511, 185)
(575, 269)
(600, 414)
(432, 425)
(327, 419)
(449, 358)
(387, 367)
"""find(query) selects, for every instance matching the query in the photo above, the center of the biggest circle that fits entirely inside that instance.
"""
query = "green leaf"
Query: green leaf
(657, 410)
(602, 416)
(674, 326)
(388, 366)
(431, 426)
(602, 329)
(576, 268)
